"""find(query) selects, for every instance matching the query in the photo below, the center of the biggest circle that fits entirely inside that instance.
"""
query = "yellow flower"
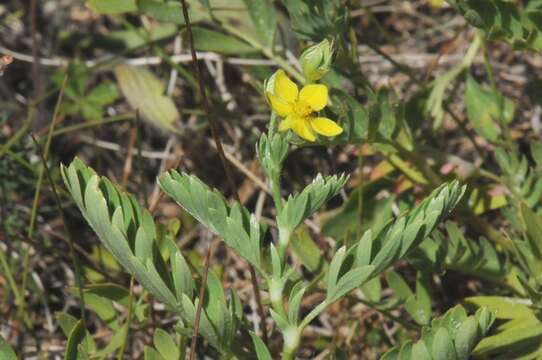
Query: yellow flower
(297, 108)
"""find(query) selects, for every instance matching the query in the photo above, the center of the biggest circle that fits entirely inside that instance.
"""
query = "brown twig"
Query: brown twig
(127, 170)
(214, 132)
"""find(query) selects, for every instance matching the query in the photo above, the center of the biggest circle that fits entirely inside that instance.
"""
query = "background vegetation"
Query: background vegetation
(427, 92)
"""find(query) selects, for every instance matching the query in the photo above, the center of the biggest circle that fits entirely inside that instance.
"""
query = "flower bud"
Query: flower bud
(316, 60)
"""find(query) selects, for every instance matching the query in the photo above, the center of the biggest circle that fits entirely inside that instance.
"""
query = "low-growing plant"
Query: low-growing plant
(298, 116)
(439, 214)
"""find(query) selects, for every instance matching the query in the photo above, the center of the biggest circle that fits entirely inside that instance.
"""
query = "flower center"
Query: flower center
(302, 109)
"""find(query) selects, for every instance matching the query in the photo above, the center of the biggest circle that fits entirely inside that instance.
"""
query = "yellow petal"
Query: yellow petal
(287, 123)
(315, 95)
(302, 128)
(325, 126)
(280, 106)
(285, 88)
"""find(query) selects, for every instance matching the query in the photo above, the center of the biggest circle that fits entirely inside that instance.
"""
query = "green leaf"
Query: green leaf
(182, 276)
(302, 205)
(101, 306)
(434, 105)
(294, 303)
(344, 276)
(66, 322)
(307, 250)
(503, 307)
(6, 352)
(209, 40)
(466, 337)
(420, 352)
(280, 320)
(151, 354)
(144, 92)
(272, 151)
(136, 37)
(351, 280)
(165, 345)
(110, 7)
(452, 336)
(443, 347)
(318, 19)
(234, 224)
(116, 218)
(167, 12)
(90, 111)
(435, 102)
(103, 94)
(114, 343)
(406, 351)
(399, 285)
(392, 354)
(352, 116)
(348, 224)
(373, 290)
(485, 108)
(423, 299)
(261, 350)
(517, 339)
(383, 114)
(77, 346)
(264, 17)
(215, 305)
(504, 20)
(333, 271)
(533, 225)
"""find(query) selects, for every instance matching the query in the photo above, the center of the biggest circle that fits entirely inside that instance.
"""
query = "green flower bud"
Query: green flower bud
(316, 60)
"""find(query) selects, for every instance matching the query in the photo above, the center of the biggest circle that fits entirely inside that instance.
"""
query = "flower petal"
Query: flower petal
(325, 126)
(280, 106)
(285, 88)
(288, 123)
(302, 128)
(315, 95)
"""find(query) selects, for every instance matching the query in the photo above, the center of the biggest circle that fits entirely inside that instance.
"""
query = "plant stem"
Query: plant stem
(200, 303)
(19, 301)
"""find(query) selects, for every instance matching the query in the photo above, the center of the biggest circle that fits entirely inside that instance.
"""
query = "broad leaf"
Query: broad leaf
(144, 92)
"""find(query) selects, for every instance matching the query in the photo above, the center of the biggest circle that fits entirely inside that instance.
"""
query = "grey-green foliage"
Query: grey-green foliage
(234, 224)
(450, 337)
(372, 254)
(129, 233)
(524, 181)
(398, 238)
(453, 251)
(271, 151)
(417, 304)
(302, 205)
